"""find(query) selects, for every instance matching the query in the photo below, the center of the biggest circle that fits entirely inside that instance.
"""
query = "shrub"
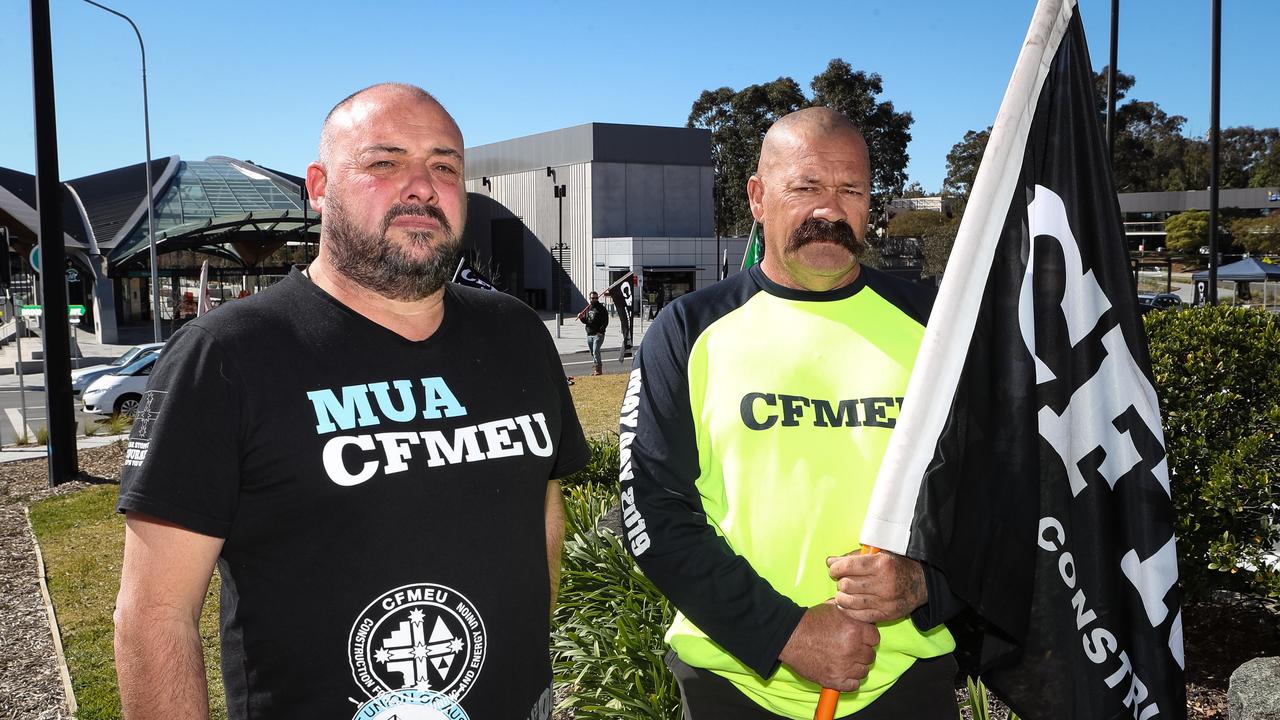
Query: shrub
(609, 621)
(602, 470)
(42, 436)
(1187, 231)
(1216, 371)
(916, 223)
(119, 424)
(91, 428)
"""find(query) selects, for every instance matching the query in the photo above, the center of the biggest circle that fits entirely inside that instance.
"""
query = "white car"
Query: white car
(118, 392)
(83, 377)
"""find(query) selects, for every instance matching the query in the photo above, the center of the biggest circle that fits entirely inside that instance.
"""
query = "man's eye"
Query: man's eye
(447, 169)
(381, 164)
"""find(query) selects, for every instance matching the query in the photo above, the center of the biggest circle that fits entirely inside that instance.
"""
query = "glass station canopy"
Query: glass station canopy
(219, 205)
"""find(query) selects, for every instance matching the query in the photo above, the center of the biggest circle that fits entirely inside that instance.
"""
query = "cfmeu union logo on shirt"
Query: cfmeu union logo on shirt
(353, 458)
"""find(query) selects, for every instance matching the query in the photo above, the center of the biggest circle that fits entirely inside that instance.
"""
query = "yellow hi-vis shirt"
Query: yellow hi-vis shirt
(754, 424)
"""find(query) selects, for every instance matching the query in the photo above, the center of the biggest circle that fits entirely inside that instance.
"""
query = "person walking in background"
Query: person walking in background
(596, 318)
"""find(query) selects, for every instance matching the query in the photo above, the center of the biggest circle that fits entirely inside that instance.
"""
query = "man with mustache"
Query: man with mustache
(367, 453)
(752, 431)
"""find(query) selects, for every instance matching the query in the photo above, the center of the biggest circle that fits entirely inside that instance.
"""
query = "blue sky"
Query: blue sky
(254, 79)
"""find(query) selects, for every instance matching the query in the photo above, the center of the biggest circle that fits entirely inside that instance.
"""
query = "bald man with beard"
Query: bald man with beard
(367, 453)
(752, 430)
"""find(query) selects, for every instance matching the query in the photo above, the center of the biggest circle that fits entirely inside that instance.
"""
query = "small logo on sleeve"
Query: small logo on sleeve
(144, 422)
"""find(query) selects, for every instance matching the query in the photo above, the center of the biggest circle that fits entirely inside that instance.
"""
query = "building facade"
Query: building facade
(571, 210)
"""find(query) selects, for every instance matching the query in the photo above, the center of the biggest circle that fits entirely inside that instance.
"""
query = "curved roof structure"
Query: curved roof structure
(221, 206)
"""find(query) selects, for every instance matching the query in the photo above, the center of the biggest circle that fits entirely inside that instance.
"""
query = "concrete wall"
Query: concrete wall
(530, 197)
(637, 253)
(643, 200)
(1172, 202)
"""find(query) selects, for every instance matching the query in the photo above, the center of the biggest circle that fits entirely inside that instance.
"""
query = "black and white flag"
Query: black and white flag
(623, 298)
(1029, 461)
(468, 275)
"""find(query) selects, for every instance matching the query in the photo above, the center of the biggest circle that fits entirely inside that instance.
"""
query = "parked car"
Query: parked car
(119, 392)
(1158, 301)
(83, 377)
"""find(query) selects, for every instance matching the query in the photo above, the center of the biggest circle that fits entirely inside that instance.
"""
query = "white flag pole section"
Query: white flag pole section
(203, 303)
(941, 358)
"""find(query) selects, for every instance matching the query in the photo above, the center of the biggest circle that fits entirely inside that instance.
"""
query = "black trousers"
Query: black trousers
(926, 691)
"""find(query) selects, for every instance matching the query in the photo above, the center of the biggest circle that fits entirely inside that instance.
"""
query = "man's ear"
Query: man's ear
(317, 182)
(755, 196)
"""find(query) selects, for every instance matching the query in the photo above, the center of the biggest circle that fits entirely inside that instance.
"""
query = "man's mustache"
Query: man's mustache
(430, 211)
(816, 230)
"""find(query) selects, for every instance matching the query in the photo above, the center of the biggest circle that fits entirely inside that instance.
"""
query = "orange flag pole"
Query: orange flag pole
(828, 698)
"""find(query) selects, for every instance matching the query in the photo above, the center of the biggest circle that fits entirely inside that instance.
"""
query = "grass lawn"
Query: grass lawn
(597, 398)
(82, 539)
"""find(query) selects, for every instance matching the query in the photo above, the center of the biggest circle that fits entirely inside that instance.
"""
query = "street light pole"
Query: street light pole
(1215, 75)
(151, 202)
(560, 193)
(1111, 79)
(59, 401)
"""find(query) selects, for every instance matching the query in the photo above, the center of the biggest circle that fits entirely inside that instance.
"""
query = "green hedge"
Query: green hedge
(1217, 371)
(602, 470)
(606, 639)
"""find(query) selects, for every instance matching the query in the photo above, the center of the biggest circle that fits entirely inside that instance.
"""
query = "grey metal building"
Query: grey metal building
(634, 198)
(1145, 212)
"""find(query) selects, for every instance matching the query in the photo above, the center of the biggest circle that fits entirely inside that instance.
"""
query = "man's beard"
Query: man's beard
(816, 230)
(381, 265)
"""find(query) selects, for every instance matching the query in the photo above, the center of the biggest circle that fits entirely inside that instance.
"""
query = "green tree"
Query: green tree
(937, 244)
(1244, 153)
(887, 131)
(962, 163)
(1267, 172)
(1187, 231)
(738, 120)
(915, 223)
(1124, 83)
(914, 190)
(1151, 153)
(1258, 235)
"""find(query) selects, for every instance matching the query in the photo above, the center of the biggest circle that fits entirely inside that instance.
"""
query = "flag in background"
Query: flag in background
(755, 247)
(724, 265)
(466, 274)
(621, 293)
(203, 303)
(1029, 461)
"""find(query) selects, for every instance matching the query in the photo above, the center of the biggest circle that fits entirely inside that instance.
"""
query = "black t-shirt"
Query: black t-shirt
(596, 318)
(381, 500)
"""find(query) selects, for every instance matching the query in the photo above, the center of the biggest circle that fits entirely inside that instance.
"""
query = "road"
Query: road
(576, 364)
(11, 413)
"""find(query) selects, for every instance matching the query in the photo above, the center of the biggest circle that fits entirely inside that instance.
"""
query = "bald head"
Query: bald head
(357, 106)
(804, 128)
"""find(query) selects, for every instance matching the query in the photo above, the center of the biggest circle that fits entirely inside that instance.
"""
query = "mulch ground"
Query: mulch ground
(29, 683)
(1220, 633)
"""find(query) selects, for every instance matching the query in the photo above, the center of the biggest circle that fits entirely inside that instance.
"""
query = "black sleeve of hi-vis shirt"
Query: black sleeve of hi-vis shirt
(665, 526)
(183, 460)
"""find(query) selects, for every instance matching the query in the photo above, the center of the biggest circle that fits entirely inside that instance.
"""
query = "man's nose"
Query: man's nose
(418, 188)
(829, 209)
